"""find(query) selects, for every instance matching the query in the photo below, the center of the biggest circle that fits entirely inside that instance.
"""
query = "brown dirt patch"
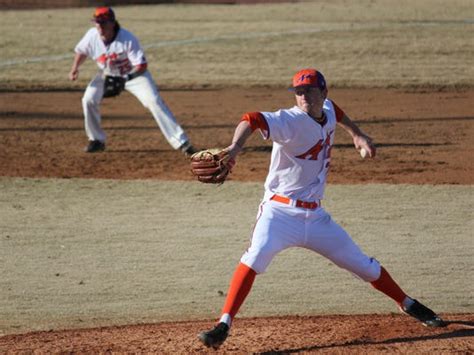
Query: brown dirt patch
(422, 137)
(335, 334)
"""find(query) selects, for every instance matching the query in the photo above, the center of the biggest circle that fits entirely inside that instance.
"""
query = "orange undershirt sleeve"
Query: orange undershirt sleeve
(256, 121)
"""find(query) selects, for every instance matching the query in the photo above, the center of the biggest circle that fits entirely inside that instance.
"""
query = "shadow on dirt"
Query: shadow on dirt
(460, 333)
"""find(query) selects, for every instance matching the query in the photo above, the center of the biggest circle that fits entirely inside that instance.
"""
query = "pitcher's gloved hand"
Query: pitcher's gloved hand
(212, 166)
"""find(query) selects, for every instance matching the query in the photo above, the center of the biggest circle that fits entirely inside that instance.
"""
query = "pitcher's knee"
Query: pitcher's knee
(369, 270)
(257, 261)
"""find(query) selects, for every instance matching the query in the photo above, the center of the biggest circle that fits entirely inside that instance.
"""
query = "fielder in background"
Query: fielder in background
(122, 65)
(291, 214)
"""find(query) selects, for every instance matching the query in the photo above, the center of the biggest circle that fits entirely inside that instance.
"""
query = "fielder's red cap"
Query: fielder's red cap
(103, 14)
(309, 77)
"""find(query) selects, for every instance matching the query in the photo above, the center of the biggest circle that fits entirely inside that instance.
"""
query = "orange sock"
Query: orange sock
(387, 285)
(239, 288)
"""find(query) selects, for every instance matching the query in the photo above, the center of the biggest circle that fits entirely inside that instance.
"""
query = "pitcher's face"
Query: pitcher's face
(310, 99)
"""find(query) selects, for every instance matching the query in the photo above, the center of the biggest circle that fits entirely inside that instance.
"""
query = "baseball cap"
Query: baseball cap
(103, 14)
(309, 77)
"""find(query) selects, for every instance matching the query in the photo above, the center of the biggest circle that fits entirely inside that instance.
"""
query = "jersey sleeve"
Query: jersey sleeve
(136, 55)
(279, 129)
(339, 112)
(85, 44)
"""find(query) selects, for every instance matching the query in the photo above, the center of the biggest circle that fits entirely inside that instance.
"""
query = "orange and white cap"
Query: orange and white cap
(309, 77)
(103, 14)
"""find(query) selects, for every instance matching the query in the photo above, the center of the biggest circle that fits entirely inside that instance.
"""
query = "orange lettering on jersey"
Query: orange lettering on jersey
(312, 154)
(102, 59)
(327, 141)
(116, 62)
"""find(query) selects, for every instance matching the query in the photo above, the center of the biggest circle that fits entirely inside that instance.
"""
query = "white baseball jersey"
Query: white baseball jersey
(301, 152)
(298, 170)
(117, 58)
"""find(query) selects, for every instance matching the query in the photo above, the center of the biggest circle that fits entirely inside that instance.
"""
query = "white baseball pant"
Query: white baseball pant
(145, 90)
(280, 226)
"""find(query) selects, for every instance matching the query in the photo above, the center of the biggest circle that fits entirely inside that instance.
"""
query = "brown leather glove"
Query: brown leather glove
(212, 166)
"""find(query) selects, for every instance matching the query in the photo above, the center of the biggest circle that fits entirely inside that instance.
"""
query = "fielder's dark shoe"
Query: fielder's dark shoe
(424, 315)
(216, 336)
(95, 146)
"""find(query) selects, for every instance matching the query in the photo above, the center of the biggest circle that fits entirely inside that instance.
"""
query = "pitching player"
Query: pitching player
(119, 55)
(291, 213)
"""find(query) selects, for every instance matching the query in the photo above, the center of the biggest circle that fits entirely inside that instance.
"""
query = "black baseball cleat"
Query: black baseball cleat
(424, 315)
(95, 146)
(216, 336)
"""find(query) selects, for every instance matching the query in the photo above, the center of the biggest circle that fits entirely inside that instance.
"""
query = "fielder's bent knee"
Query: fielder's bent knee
(89, 101)
(151, 102)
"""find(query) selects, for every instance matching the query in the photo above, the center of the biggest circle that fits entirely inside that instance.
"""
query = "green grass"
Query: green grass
(378, 43)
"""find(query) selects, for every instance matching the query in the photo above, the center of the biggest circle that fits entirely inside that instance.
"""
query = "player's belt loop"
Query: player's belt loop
(297, 203)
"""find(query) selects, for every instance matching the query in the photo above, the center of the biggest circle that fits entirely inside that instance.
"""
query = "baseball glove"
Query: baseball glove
(212, 166)
(113, 85)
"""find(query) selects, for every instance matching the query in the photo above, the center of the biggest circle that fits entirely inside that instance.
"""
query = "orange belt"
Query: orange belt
(298, 203)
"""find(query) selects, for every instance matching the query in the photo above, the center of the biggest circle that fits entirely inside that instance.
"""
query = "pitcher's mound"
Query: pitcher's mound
(339, 334)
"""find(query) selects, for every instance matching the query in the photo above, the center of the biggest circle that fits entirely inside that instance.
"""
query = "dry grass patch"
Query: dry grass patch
(368, 43)
(79, 253)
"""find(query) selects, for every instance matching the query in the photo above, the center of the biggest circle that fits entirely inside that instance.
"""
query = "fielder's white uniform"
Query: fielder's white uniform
(117, 59)
(290, 214)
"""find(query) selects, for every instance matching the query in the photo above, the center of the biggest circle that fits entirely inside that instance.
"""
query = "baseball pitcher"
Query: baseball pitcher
(291, 213)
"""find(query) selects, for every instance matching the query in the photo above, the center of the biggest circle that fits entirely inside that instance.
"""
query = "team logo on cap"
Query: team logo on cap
(304, 77)
(310, 77)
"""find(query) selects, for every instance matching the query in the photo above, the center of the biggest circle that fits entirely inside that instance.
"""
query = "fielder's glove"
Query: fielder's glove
(113, 85)
(212, 166)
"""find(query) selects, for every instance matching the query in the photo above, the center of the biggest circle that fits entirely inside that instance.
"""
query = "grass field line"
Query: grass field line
(242, 36)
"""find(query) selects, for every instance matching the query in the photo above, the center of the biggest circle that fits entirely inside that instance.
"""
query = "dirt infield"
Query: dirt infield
(422, 138)
(369, 334)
